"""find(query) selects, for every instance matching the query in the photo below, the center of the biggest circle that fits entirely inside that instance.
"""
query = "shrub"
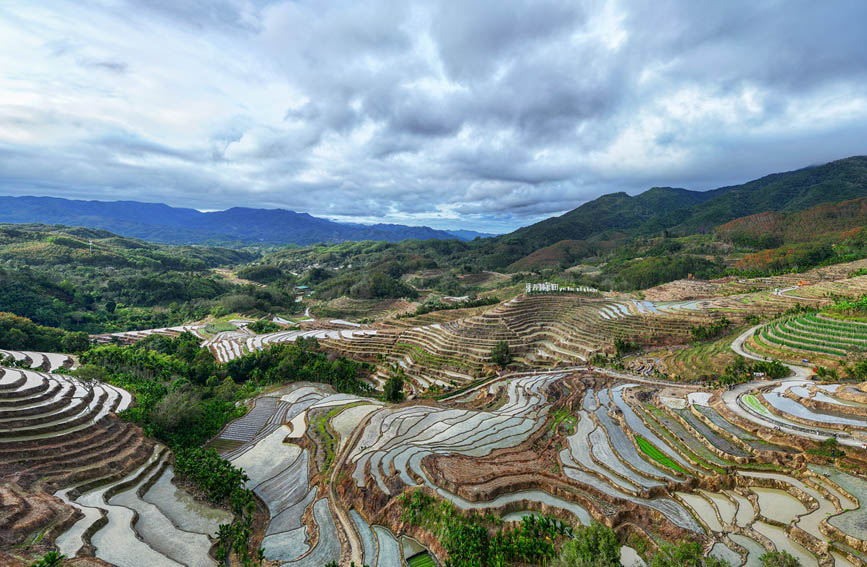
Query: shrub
(261, 327)
(779, 559)
(501, 355)
(394, 386)
(595, 545)
(685, 554)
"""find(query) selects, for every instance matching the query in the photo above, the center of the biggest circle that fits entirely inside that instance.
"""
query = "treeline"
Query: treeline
(366, 285)
(468, 538)
(184, 397)
(99, 300)
(300, 361)
(20, 333)
(742, 370)
(700, 333)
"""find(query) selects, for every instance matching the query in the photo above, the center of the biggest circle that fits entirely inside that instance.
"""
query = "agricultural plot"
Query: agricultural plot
(823, 410)
(817, 334)
(46, 361)
(58, 434)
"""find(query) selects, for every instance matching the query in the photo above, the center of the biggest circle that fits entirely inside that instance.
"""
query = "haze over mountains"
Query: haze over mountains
(612, 217)
(239, 225)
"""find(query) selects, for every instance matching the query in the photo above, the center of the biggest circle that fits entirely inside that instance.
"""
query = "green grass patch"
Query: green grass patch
(329, 439)
(220, 327)
(422, 559)
(563, 415)
(754, 404)
(651, 451)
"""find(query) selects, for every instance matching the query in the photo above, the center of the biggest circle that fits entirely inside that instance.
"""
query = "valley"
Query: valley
(570, 430)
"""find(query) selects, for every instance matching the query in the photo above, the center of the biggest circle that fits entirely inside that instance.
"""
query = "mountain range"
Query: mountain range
(157, 222)
(617, 217)
(594, 226)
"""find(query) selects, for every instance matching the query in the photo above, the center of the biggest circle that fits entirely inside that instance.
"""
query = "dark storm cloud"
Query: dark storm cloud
(480, 114)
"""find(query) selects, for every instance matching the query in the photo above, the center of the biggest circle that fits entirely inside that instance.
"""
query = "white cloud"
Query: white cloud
(482, 115)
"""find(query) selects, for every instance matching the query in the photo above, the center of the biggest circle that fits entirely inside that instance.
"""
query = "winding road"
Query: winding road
(732, 397)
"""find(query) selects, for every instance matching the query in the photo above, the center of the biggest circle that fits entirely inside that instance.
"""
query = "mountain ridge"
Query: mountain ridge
(162, 223)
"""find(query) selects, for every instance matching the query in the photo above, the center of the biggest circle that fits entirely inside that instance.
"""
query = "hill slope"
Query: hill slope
(618, 216)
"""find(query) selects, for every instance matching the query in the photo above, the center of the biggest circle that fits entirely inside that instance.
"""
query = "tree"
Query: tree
(779, 559)
(501, 355)
(595, 545)
(75, 342)
(394, 385)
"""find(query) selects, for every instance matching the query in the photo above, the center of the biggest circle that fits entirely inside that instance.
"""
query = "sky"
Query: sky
(477, 115)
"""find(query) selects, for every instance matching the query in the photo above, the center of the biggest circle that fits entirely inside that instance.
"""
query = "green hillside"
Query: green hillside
(618, 216)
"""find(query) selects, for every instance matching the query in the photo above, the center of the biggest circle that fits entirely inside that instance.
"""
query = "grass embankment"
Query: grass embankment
(214, 328)
(329, 439)
(422, 559)
(651, 451)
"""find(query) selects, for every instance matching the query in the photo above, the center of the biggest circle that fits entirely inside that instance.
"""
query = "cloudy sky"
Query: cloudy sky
(455, 114)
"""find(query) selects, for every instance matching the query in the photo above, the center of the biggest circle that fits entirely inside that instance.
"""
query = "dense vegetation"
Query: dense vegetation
(299, 361)
(595, 545)
(853, 310)
(93, 281)
(393, 388)
(20, 333)
(701, 333)
(475, 540)
(742, 370)
(431, 306)
(264, 327)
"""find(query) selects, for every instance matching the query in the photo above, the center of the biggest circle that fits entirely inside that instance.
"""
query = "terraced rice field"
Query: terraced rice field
(817, 334)
(624, 452)
(47, 361)
(820, 410)
(59, 435)
(726, 468)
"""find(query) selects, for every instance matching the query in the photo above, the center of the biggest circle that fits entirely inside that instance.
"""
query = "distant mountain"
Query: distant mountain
(618, 216)
(161, 223)
(469, 234)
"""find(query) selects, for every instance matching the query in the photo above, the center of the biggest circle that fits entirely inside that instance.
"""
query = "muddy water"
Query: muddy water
(745, 513)
(778, 504)
(703, 509)
(841, 561)
(368, 540)
(754, 549)
(722, 551)
(808, 522)
(782, 542)
(630, 558)
(185, 511)
(724, 506)
(69, 542)
(529, 495)
(389, 549)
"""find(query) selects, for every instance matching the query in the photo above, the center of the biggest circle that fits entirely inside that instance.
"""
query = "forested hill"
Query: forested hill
(617, 217)
(157, 222)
